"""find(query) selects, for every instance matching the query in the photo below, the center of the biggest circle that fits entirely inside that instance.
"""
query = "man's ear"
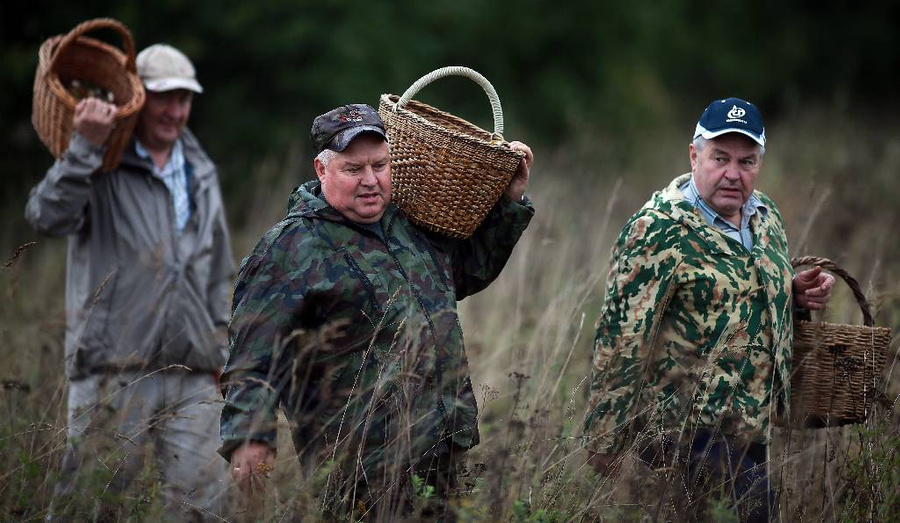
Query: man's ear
(692, 151)
(320, 169)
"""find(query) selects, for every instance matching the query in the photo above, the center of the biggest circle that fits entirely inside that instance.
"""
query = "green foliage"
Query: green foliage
(610, 68)
(873, 475)
(721, 510)
(421, 489)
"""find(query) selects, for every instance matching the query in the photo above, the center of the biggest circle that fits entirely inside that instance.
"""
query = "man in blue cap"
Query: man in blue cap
(693, 346)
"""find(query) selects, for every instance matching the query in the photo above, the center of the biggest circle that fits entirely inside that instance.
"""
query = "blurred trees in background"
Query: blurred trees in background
(562, 69)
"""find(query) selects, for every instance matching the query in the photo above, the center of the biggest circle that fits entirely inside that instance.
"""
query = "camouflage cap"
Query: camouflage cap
(338, 127)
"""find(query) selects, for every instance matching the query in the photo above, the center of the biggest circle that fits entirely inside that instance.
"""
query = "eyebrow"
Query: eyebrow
(717, 151)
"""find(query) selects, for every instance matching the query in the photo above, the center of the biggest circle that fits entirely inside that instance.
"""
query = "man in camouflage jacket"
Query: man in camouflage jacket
(693, 344)
(345, 314)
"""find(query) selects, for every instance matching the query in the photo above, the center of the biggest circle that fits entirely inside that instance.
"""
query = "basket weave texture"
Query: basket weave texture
(72, 56)
(836, 368)
(446, 173)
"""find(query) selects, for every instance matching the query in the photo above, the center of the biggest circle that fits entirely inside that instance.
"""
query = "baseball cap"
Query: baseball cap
(731, 115)
(338, 127)
(164, 68)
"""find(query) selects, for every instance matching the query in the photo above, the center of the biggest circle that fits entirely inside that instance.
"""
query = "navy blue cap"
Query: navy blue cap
(338, 127)
(731, 115)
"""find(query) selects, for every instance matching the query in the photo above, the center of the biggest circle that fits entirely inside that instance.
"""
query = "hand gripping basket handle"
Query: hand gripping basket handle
(92, 25)
(825, 263)
(468, 73)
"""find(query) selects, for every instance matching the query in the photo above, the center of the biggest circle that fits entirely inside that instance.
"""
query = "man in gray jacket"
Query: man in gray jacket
(148, 296)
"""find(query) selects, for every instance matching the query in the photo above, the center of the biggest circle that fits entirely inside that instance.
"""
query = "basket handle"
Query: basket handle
(829, 265)
(470, 74)
(92, 25)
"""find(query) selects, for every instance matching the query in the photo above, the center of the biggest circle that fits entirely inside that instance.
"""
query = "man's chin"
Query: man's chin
(370, 215)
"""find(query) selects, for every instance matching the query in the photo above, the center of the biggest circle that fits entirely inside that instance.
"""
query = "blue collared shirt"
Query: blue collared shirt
(174, 175)
(750, 207)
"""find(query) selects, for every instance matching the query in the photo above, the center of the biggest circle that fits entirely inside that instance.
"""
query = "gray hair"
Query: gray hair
(326, 156)
(700, 142)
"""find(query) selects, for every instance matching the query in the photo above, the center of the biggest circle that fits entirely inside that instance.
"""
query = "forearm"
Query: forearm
(57, 205)
(615, 387)
(249, 412)
(478, 260)
(639, 283)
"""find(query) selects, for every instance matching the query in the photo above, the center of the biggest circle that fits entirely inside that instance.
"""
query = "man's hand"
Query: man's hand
(603, 464)
(812, 289)
(94, 120)
(250, 465)
(519, 183)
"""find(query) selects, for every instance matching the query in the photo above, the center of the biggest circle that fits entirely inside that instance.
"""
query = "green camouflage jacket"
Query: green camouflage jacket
(354, 331)
(695, 330)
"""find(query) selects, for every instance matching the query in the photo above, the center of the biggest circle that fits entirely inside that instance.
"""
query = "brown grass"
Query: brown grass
(529, 336)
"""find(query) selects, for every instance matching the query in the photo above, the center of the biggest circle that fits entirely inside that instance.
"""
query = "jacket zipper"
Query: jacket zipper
(438, 365)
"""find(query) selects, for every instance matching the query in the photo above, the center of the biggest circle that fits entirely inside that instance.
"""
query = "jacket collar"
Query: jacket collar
(671, 202)
(307, 201)
(200, 166)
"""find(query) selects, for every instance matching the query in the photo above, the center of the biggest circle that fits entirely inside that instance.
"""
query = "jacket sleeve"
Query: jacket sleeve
(478, 260)
(267, 297)
(57, 205)
(222, 270)
(641, 271)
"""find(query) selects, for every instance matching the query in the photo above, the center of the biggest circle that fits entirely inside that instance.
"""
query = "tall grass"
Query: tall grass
(529, 336)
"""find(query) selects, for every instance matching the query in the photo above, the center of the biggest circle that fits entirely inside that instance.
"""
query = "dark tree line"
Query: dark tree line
(560, 68)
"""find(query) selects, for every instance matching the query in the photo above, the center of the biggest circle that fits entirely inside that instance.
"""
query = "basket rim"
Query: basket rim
(502, 148)
(53, 82)
(826, 324)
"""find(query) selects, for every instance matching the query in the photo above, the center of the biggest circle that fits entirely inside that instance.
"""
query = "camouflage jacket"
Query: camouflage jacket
(353, 329)
(695, 331)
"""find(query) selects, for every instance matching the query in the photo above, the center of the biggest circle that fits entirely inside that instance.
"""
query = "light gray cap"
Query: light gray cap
(164, 68)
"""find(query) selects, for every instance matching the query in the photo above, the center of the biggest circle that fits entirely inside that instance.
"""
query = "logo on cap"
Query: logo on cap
(338, 127)
(736, 112)
(351, 116)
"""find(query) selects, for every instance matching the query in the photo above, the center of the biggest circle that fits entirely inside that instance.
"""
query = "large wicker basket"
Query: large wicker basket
(836, 368)
(64, 58)
(446, 173)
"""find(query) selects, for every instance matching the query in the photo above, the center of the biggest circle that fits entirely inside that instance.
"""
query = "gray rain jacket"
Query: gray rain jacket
(139, 295)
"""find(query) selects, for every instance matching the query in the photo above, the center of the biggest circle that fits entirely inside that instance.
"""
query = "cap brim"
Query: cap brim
(342, 139)
(161, 85)
(709, 135)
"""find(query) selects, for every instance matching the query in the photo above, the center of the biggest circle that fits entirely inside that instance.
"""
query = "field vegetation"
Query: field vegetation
(835, 179)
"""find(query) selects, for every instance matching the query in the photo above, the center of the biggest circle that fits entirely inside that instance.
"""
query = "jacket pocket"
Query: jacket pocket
(188, 335)
(92, 347)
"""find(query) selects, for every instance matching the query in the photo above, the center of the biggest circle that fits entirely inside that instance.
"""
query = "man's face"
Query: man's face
(163, 117)
(357, 181)
(725, 172)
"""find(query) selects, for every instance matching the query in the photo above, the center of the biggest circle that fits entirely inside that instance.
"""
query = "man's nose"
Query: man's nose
(731, 172)
(368, 176)
(175, 110)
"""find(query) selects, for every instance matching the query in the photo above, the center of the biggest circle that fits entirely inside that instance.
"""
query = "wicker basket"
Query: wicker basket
(63, 58)
(446, 173)
(836, 368)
